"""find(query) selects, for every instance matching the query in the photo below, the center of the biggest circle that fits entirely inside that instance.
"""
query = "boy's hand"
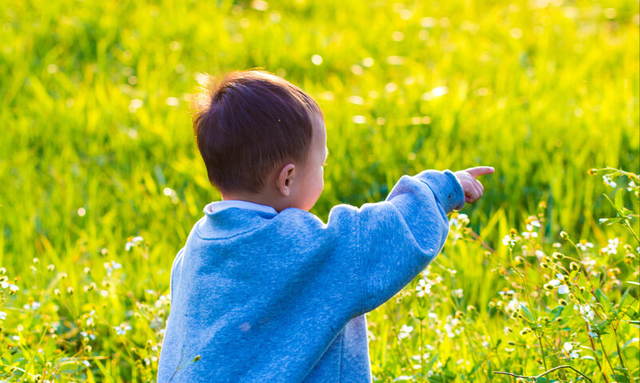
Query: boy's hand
(473, 189)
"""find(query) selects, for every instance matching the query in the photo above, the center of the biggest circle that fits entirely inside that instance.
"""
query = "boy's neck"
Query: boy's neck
(255, 198)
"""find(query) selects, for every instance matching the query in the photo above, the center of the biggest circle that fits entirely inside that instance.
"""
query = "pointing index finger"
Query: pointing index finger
(480, 171)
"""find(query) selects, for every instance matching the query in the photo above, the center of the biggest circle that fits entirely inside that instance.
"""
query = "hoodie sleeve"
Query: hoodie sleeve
(397, 238)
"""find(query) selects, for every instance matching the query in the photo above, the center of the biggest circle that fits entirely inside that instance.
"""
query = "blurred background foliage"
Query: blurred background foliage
(97, 143)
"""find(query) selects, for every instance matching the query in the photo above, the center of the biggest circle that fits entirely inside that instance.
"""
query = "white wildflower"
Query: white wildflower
(584, 245)
(122, 329)
(110, 266)
(607, 181)
(33, 306)
(508, 241)
(132, 241)
(513, 305)
(459, 220)
(586, 312)
(423, 288)
(405, 331)
(570, 351)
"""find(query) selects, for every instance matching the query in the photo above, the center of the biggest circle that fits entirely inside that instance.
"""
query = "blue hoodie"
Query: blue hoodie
(268, 297)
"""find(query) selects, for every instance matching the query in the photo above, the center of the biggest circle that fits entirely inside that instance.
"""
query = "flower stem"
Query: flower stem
(593, 348)
(543, 374)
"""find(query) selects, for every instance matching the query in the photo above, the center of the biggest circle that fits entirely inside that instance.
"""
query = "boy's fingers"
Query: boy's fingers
(473, 194)
(478, 190)
(480, 171)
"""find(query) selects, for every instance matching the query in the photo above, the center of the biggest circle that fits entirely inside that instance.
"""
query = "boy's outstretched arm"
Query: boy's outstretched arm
(397, 238)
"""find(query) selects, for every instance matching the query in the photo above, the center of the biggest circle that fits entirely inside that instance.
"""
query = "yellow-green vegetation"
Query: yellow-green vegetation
(101, 180)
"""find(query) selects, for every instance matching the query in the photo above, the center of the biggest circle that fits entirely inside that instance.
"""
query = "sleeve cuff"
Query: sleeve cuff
(446, 187)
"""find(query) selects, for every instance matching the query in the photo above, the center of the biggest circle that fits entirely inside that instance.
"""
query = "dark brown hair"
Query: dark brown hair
(247, 124)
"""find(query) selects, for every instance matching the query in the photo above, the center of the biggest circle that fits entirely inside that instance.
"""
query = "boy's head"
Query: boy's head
(262, 140)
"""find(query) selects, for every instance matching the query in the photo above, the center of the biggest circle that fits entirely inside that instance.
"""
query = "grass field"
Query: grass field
(97, 147)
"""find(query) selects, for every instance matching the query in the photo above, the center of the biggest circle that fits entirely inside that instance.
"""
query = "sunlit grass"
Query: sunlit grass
(97, 148)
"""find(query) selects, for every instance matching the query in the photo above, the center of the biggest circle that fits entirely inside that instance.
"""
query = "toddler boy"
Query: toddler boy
(263, 290)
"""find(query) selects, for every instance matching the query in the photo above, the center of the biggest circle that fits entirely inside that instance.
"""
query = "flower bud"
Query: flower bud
(564, 235)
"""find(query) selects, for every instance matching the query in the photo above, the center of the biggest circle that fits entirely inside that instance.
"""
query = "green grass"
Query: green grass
(542, 91)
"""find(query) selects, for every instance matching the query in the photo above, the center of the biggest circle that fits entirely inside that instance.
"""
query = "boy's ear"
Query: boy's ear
(285, 179)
